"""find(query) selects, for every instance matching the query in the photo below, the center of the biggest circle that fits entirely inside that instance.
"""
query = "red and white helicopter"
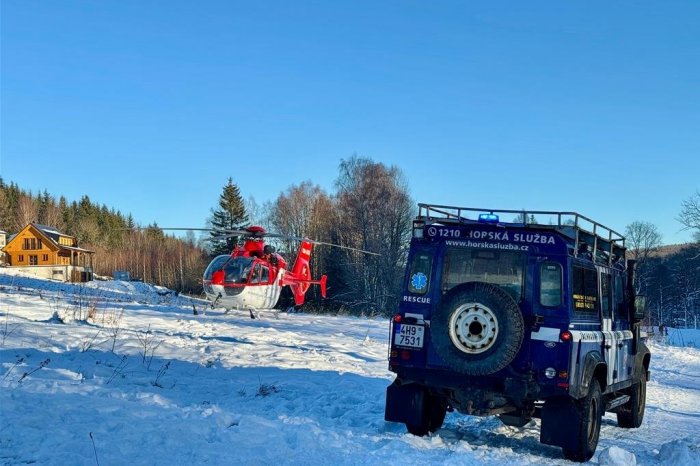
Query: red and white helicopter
(253, 275)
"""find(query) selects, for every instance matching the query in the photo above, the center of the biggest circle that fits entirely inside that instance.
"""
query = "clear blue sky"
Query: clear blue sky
(149, 107)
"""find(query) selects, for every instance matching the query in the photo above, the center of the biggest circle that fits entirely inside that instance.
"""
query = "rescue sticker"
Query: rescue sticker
(416, 299)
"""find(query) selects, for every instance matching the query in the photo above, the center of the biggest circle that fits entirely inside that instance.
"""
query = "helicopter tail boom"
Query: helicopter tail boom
(299, 278)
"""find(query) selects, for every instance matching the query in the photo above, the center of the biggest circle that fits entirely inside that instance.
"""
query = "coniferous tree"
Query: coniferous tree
(231, 215)
(6, 218)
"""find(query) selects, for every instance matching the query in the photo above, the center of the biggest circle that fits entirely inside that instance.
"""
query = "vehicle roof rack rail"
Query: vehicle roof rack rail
(608, 244)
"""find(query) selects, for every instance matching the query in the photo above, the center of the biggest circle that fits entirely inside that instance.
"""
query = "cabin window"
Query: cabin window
(45, 257)
(265, 277)
(585, 288)
(419, 278)
(21, 258)
(33, 260)
(550, 284)
(31, 244)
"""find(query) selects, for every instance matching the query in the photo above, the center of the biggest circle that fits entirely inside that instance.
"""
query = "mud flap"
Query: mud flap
(561, 423)
(404, 403)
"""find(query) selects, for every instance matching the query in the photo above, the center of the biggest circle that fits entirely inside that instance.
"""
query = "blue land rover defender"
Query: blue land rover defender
(536, 318)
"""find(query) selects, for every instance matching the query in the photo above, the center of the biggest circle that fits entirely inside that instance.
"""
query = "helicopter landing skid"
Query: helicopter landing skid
(253, 312)
(213, 303)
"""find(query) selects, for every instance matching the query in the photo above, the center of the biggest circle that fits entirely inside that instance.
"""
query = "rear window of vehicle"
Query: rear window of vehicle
(503, 268)
(550, 284)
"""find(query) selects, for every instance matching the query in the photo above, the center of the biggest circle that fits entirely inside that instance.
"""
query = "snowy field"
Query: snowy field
(115, 373)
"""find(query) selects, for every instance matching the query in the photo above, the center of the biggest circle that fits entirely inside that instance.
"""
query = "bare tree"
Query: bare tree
(304, 210)
(259, 214)
(690, 215)
(375, 211)
(642, 238)
(27, 212)
(52, 217)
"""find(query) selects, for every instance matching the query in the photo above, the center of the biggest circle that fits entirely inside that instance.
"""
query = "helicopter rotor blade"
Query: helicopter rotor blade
(248, 234)
(229, 233)
(344, 247)
(296, 238)
(166, 228)
(232, 234)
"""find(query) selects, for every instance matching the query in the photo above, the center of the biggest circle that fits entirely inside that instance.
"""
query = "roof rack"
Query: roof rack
(607, 243)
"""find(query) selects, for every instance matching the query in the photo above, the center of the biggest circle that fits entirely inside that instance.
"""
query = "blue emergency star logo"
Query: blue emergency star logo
(419, 281)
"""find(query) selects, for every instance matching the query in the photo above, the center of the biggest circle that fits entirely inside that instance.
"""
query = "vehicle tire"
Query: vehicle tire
(434, 413)
(631, 414)
(590, 413)
(477, 329)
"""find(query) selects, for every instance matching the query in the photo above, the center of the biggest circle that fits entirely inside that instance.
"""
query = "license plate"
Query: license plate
(409, 335)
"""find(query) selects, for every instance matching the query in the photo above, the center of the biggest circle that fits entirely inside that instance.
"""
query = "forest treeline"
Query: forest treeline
(370, 209)
(671, 284)
(147, 254)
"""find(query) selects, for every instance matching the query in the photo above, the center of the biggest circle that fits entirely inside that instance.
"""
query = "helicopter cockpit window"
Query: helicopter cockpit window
(265, 277)
(216, 264)
(237, 269)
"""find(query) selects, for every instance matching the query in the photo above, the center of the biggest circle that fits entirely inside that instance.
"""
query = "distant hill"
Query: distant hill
(669, 249)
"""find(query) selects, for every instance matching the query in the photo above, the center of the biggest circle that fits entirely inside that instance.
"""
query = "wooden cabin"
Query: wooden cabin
(40, 245)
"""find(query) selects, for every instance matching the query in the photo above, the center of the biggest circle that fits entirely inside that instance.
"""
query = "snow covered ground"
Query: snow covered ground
(125, 373)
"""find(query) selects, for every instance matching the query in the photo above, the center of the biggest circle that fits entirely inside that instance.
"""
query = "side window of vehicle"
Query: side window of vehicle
(606, 294)
(419, 277)
(619, 298)
(550, 284)
(585, 288)
(265, 275)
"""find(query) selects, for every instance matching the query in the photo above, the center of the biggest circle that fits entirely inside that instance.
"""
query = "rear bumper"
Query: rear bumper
(476, 395)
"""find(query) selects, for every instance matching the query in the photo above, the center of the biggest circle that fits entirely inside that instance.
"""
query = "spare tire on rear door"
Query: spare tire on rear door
(477, 329)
